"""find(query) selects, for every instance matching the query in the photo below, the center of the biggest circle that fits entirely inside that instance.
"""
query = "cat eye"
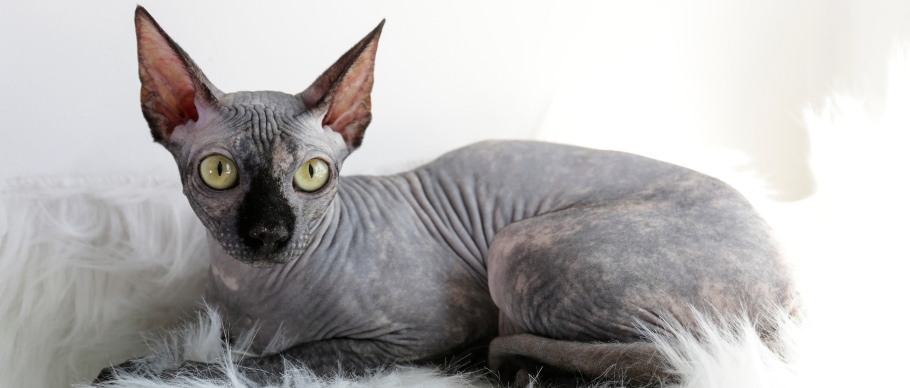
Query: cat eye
(312, 175)
(218, 172)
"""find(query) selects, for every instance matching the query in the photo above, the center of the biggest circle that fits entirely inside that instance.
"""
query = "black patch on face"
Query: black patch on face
(266, 220)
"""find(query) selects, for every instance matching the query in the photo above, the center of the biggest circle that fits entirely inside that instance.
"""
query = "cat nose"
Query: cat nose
(270, 236)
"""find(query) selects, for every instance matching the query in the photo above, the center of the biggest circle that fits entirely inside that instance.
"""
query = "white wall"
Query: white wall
(673, 80)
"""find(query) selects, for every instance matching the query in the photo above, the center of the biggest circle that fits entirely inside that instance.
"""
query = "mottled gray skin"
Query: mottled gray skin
(565, 242)
(505, 237)
(490, 240)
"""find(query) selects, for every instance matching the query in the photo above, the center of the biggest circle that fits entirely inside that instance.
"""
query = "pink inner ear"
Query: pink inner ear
(166, 84)
(349, 103)
(351, 99)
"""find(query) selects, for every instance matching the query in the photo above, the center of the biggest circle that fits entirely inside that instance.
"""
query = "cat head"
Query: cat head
(259, 168)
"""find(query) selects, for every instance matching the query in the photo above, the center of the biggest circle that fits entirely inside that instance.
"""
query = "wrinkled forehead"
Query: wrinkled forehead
(264, 119)
(275, 101)
(265, 112)
(266, 129)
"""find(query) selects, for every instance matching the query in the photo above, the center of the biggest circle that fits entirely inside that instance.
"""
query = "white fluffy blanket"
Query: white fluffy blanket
(94, 271)
(97, 271)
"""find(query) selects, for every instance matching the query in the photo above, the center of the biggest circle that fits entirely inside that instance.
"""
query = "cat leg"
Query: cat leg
(341, 356)
(637, 363)
(326, 358)
(586, 283)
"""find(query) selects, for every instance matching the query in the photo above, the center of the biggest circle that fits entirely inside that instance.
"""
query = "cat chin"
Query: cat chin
(258, 258)
(258, 261)
(263, 263)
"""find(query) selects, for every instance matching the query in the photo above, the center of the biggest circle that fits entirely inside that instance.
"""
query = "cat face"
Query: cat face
(238, 166)
(259, 168)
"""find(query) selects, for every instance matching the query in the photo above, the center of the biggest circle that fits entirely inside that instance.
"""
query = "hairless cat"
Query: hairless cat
(542, 255)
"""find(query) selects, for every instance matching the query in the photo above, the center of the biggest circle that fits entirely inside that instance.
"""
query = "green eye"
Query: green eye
(312, 175)
(218, 172)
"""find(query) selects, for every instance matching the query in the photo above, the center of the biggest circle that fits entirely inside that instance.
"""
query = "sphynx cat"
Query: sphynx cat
(544, 255)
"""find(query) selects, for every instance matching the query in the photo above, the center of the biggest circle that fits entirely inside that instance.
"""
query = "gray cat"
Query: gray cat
(559, 255)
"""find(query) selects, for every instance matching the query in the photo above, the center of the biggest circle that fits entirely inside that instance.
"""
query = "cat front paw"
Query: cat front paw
(128, 367)
(137, 369)
(195, 370)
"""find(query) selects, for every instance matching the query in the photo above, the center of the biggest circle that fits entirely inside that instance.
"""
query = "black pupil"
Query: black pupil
(219, 168)
(311, 170)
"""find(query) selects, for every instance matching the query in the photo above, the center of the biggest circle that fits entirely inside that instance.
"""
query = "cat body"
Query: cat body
(558, 254)
(406, 258)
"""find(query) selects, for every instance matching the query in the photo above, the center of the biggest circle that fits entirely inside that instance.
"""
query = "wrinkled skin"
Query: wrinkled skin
(547, 248)
(486, 241)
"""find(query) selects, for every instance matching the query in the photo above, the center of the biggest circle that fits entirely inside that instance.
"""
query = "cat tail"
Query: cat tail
(523, 358)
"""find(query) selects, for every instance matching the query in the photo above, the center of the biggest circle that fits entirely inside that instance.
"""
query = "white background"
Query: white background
(672, 80)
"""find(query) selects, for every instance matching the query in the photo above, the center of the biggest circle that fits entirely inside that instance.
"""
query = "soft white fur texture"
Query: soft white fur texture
(86, 265)
(90, 267)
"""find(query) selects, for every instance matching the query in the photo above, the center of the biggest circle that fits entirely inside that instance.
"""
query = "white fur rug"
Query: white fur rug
(94, 271)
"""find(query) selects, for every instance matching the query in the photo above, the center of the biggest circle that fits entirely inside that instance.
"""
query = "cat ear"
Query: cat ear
(345, 90)
(173, 88)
